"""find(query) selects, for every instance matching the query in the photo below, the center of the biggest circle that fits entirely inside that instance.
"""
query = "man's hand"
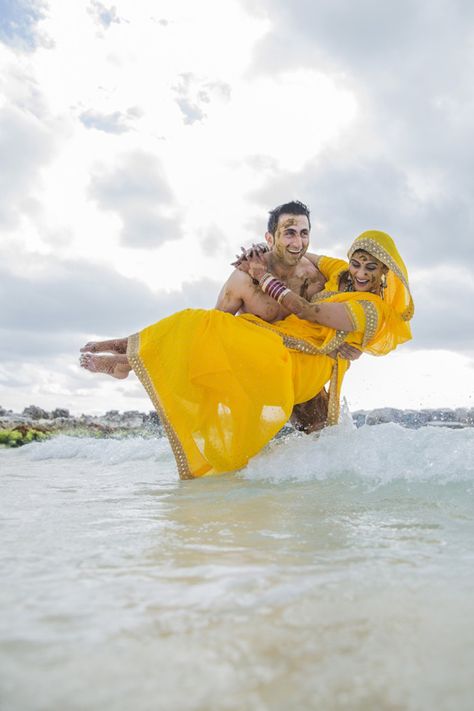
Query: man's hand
(349, 352)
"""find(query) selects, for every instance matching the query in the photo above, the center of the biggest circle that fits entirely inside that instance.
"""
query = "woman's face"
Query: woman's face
(366, 271)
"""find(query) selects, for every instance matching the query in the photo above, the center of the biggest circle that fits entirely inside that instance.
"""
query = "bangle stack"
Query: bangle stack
(273, 287)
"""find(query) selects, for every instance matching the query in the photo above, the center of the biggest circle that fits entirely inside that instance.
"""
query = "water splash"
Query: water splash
(380, 454)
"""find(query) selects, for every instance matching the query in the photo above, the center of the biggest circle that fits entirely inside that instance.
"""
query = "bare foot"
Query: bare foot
(117, 365)
(117, 345)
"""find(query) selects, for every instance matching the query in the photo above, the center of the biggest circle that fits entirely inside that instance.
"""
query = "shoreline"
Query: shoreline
(36, 424)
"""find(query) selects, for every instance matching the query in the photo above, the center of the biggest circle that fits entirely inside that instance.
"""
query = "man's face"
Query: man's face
(291, 238)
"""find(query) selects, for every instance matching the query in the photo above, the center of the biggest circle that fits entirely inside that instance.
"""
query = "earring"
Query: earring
(383, 284)
(349, 282)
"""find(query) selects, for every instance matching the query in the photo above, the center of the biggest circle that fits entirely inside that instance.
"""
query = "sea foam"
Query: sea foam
(380, 454)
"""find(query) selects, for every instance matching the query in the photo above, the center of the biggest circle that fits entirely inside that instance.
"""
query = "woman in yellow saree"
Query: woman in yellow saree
(224, 385)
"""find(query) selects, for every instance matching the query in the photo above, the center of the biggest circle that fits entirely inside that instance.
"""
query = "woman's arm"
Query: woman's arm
(332, 315)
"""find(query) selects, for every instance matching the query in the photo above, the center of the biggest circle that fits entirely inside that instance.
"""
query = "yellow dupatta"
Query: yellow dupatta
(397, 303)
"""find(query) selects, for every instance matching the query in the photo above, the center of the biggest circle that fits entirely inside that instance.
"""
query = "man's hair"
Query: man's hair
(288, 208)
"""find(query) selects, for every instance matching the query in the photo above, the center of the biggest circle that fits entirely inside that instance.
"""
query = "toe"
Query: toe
(90, 347)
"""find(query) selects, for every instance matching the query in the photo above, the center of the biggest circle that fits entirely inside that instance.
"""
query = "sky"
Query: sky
(143, 142)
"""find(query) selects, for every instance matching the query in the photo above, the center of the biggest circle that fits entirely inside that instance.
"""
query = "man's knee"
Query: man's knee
(311, 416)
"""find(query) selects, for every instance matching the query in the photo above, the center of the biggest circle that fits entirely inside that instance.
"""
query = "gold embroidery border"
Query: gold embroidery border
(298, 344)
(371, 321)
(135, 361)
(374, 248)
(352, 315)
(333, 402)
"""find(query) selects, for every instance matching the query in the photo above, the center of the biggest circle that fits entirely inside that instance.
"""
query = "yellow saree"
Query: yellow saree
(224, 385)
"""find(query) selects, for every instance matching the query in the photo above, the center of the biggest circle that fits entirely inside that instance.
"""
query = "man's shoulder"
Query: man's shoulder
(239, 278)
(309, 264)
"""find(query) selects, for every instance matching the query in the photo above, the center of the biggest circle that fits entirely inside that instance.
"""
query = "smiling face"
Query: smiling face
(366, 271)
(291, 239)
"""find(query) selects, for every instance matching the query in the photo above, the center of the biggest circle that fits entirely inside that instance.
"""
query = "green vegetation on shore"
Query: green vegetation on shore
(22, 434)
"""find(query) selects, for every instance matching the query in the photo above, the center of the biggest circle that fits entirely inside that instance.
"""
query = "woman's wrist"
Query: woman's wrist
(273, 287)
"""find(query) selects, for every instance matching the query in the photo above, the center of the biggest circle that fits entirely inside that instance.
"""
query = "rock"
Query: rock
(383, 415)
(35, 413)
(112, 415)
(152, 417)
(359, 417)
(60, 412)
(414, 418)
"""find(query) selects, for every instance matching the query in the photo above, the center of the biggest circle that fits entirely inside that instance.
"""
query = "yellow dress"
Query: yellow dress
(224, 385)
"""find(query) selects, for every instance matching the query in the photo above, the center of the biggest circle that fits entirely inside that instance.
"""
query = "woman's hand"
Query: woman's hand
(241, 261)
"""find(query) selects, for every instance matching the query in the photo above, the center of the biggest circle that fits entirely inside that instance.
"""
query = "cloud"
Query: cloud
(18, 23)
(104, 16)
(405, 163)
(190, 108)
(115, 122)
(26, 145)
(348, 194)
(137, 191)
(195, 94)
(213, 240)
(443, 314)
(53, 309)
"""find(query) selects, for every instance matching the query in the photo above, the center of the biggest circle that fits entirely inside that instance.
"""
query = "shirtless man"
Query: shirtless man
(287, 237)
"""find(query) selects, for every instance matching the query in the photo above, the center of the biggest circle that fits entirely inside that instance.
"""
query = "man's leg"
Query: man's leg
(311, 416)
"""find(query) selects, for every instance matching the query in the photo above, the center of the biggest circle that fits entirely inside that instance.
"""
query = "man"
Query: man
(287, 238)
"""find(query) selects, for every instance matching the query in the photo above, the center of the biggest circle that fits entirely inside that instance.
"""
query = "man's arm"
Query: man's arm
(230, 297)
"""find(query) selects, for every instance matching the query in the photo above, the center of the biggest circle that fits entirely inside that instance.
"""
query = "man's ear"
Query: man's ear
(269, 239)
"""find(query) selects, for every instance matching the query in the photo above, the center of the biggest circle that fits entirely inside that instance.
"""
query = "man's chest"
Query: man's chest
(306, 285)
(264, 306)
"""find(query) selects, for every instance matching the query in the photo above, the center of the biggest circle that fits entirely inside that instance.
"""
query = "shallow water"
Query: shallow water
(332, 573)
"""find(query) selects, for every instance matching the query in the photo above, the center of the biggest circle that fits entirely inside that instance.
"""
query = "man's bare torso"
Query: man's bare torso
(240, 295)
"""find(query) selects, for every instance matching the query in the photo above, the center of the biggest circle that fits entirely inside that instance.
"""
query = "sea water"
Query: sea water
(334, 572)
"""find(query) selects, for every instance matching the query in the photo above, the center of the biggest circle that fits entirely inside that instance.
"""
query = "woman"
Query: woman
(224, 385)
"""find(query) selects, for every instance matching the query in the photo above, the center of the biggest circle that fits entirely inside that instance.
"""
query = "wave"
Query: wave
(102, 451)
(380, 454)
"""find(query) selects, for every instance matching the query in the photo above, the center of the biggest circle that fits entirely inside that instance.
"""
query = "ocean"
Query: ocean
(334, 572)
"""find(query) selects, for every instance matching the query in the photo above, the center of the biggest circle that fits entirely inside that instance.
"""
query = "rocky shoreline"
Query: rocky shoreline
(35, 424)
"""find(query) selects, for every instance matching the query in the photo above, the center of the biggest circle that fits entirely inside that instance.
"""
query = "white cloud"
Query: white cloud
(104, 15)
(26, 145)
(137, 190)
